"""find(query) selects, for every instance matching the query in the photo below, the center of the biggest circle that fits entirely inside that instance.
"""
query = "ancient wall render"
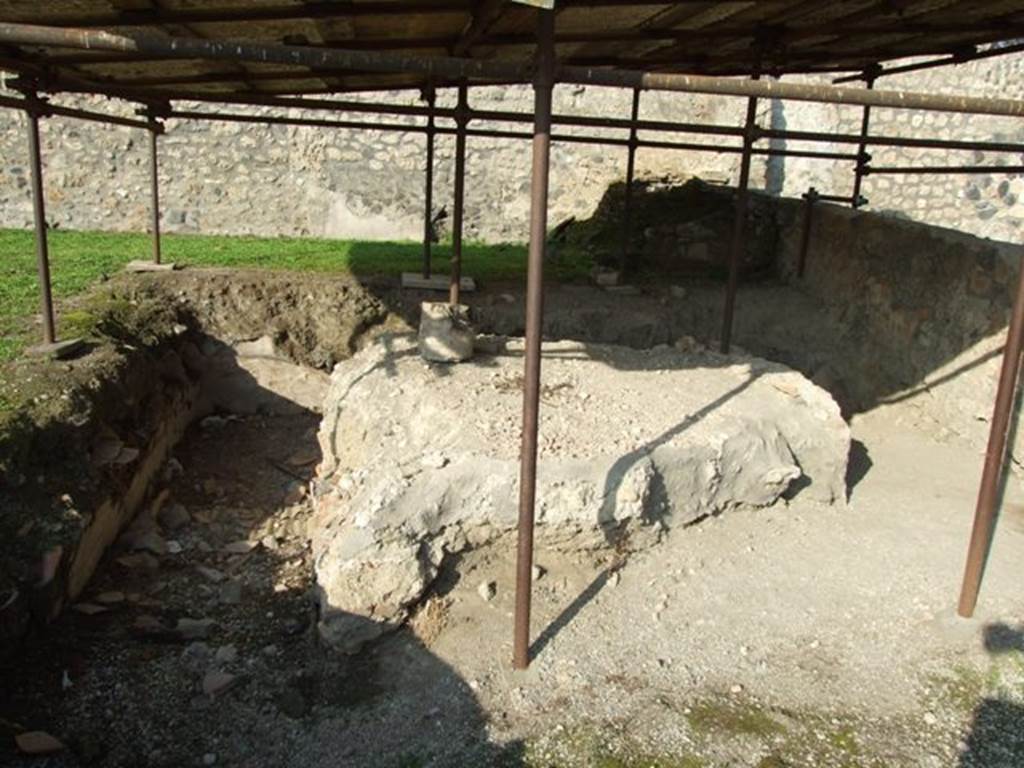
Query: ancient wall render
(280, 180)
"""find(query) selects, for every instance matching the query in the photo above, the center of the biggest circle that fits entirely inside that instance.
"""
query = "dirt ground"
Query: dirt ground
(793, 636)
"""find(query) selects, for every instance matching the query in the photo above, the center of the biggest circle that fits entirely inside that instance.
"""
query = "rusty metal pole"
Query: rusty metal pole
(428, 192)
(155, 129)
(805, 236)
(455, 68)
(995, 457)
(863, 158)
(542, 88)
(627, 214)
(461, 120)
(36, 108)
(750, 133)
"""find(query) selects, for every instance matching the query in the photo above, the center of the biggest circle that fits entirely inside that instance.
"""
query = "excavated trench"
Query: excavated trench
(88, 446)
(88, 449)
(161, 491)
(155, 498)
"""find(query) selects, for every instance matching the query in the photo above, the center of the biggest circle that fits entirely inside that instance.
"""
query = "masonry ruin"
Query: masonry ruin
(710, 371)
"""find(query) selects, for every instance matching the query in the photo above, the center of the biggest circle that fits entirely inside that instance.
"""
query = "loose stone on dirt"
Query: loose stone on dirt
(226, 654)
(173, 517)
(217, 683)
(38, 743)
(194, 629)
(241, 547)
(230, 592)
(210, 574)
(487, 590)
(446, 333)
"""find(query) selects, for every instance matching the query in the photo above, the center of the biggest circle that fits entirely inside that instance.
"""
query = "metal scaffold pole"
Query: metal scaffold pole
(543, 86)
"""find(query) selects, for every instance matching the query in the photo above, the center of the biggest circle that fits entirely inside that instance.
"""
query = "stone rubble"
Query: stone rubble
(446, 333)
(173, 516)
(487, 590)
(38, 743)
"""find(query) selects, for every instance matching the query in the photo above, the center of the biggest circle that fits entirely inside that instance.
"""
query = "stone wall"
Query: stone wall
(917, 314)
(987, 205)
(280, 180)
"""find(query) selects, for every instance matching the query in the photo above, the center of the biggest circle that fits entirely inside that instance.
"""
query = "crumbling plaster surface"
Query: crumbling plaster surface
(421, 460)
(281, 180)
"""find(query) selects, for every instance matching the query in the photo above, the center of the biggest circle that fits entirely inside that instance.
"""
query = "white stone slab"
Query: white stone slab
(148, 266)
(59, 350)
(435, 282)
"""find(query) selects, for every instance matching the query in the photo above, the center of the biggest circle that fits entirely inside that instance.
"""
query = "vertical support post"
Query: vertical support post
(155, 129)
(542, 88)
(863, 158)
(805, 236)
(428, 193)
(461, 120)
(995, 457)
(739, 224)
(36, 109)
(627, 214)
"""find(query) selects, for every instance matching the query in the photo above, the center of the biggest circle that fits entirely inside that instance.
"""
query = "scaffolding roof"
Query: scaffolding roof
(738, 37)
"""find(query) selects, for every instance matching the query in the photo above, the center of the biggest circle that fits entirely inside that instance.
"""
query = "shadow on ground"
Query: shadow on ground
(122, 684)
(996, 735)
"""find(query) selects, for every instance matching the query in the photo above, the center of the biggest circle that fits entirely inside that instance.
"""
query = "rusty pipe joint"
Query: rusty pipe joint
(429, 95)
(964, 54)
(540, 74)
(154, 109)
(544, 73)
(35, 105)
(863, 166)
(462, 113)
(155, 113)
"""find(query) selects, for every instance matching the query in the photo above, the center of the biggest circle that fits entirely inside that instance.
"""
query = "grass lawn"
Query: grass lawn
(78, 259)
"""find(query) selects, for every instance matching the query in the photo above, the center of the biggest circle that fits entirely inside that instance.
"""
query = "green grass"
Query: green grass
(733, 718)
(599, 747)
(79, 259)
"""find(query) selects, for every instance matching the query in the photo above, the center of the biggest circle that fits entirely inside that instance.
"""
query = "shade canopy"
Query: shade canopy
(714, 38)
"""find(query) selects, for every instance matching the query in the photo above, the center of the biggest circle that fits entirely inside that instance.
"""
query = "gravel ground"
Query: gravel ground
(793, 636)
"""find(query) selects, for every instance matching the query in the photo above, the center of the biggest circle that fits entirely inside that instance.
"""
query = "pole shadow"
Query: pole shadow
(612, 531)
(995, 738)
